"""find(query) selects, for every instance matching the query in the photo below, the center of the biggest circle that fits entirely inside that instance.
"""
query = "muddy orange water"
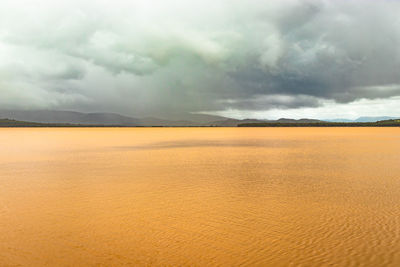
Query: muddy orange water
(200, 197)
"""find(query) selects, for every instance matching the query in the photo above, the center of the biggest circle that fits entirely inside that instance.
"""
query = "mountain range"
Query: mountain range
(364, 119)
(73, 117)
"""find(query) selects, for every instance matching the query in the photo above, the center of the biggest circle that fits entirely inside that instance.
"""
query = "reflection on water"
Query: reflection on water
(200, 196)
(212, 143)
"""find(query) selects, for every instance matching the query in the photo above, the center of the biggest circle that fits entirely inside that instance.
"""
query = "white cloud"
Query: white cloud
(329, 110)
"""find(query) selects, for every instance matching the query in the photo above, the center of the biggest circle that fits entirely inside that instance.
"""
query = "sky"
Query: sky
(261, 59)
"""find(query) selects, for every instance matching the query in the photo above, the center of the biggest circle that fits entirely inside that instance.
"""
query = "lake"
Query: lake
(199, 196)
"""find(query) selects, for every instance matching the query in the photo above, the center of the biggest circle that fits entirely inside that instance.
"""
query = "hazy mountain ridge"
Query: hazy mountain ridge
(114, 119)
(55, 116)
(14, 123)
(73, 117)
(234, 122)
(364, 119)
(77, 119)
(384, 123)
(284, 120)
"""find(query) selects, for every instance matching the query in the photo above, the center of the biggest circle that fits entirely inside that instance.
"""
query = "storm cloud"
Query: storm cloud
(166, 56)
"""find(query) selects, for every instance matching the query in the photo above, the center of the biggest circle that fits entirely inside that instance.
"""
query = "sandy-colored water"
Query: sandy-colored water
(200, 197)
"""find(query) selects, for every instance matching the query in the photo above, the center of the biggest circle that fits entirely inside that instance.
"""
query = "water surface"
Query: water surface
(200, 197)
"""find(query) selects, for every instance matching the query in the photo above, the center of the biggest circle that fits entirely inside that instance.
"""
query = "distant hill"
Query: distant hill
(73, 117)
(150, 121)
(182, 120)
(14, 123)
(234, 122)
(284, 120)
(226, 123)
(364, 119)
(194, 118)
(112, 119)
(55, 116)
(385, 123)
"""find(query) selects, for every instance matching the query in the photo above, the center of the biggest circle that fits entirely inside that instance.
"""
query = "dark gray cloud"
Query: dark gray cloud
(159, 57)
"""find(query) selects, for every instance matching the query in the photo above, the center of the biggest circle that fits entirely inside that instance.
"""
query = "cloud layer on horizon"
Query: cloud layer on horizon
(168, 56)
